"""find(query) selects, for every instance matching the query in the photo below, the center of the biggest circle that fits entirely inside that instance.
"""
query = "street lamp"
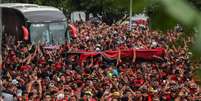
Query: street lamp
(130, 24)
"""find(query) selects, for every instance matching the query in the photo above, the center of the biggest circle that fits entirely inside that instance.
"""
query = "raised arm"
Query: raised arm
(29, 86)
(40, 87)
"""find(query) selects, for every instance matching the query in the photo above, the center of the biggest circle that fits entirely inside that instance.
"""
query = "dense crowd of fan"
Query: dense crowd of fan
(31, 73)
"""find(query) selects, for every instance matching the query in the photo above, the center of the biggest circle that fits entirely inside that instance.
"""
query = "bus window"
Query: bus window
(57, 31)
(49, 33)
(39, 32)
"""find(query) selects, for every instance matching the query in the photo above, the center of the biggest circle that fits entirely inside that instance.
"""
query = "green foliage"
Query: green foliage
(113, 10)
(195, 3)
(164, 14)
(189, 17)
(197, 75)
(198, 72)
(160, 20)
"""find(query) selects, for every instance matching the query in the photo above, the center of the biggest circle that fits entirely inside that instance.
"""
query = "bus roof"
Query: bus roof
(23, 7)
(37, 13)
(17, 5)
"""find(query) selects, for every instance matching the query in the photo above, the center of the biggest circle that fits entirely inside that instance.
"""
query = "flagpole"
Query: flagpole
(130, 23)
(1, 28)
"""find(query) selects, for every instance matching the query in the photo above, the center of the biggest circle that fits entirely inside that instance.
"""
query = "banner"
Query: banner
(147, 54)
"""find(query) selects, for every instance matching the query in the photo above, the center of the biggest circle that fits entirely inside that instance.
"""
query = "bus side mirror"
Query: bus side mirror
(25, 33)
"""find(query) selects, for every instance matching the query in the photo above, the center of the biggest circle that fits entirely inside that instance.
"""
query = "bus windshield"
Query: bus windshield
(48, 33)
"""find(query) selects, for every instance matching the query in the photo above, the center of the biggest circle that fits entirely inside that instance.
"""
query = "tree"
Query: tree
(114, 10)
(110, 10)
(195, 3)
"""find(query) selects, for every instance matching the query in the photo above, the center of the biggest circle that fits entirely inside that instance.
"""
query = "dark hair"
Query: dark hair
(74, 96)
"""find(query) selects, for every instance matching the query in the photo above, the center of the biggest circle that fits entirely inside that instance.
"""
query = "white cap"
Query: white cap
(14, 81)
(60, 96)
(154, 44)
(19, 92)
(98, 45)
(97, 49)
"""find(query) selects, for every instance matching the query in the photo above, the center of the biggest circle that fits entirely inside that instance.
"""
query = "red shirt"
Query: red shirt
(42, 61)
(162, 74)
(149, 97)
(174, 78)
(58, 66)
(168, 97)
(25, 68)
(138, 82)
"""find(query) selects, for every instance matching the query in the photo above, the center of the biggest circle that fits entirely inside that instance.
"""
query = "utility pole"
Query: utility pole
(1, 28)
(131, 7)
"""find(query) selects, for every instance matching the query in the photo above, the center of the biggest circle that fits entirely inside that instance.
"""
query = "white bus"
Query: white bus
(43, 23)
